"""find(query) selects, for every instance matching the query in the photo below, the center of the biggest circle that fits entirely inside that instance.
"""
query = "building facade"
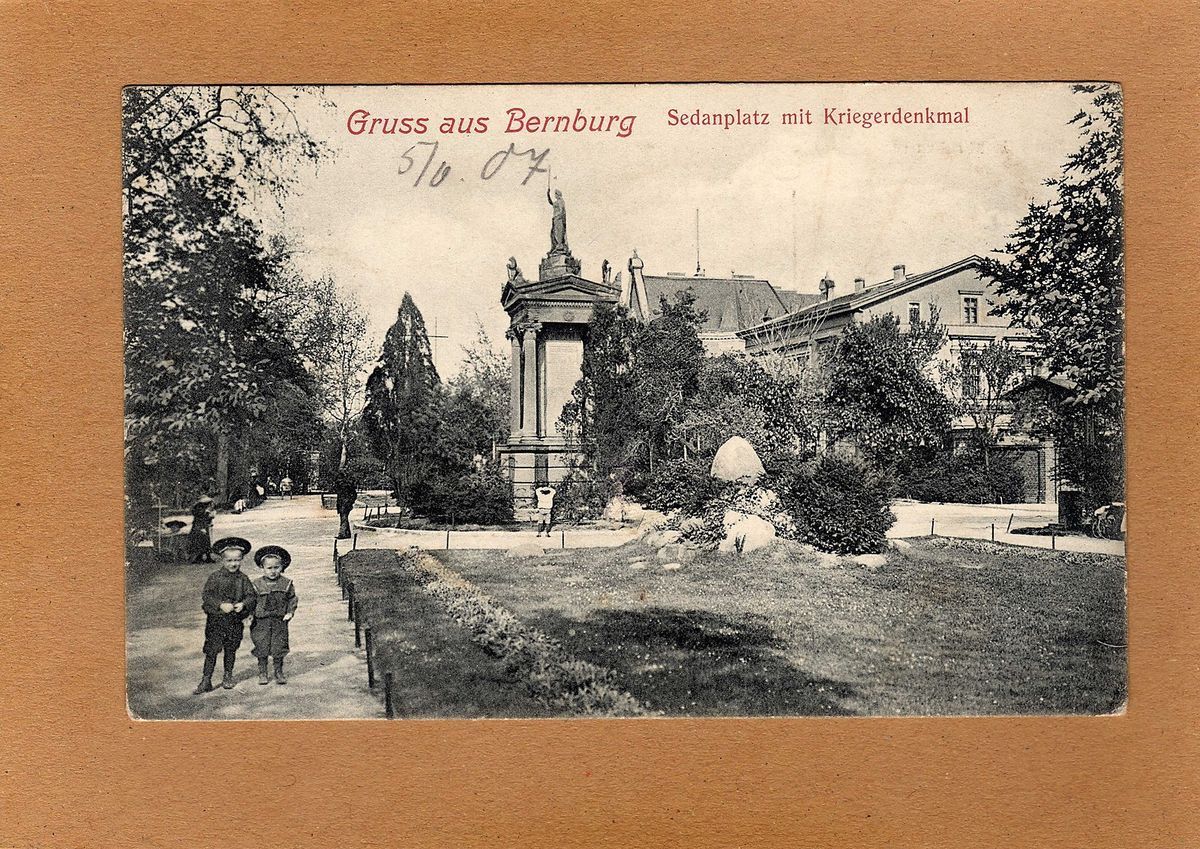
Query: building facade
(961, 299)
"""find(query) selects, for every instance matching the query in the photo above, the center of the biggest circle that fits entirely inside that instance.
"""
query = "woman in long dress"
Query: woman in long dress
(200, 536)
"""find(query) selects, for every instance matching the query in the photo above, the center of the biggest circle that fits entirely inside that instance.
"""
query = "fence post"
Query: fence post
(931, 526)
(1011, 516)
(388, 709)
(447, 539)
(350, 601)
(370, 662)
(993, 531)
(563, 535)
(357, 625)
(355, 541)
(1053, 542)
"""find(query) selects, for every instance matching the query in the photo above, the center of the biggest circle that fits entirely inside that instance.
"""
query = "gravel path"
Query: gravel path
(327, 677)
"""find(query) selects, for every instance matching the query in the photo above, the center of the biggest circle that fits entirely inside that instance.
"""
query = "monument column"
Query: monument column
(529, 399)
(514, 380)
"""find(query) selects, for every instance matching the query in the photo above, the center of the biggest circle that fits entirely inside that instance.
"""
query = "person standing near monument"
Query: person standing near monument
(544, 511)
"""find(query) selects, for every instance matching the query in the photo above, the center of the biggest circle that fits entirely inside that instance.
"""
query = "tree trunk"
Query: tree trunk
(343, 456)
(222, 493)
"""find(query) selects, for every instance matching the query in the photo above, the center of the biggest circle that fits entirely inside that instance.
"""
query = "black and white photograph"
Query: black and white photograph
(624, 400)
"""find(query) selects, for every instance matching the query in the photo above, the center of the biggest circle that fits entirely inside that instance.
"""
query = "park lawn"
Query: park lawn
(942, 628)
(437, 670)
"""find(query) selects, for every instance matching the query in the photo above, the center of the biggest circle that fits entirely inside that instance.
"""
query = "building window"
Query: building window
(914, 312)
(970, 374)
(970, 310)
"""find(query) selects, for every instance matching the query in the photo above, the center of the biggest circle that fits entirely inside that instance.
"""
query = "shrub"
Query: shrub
(481, 498)
(680, 485)
(962, 476)
(838, 506)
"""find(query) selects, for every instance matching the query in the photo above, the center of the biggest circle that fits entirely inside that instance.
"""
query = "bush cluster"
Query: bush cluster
(838, 506)
(479, 498)
(964, 476)
(679, 485)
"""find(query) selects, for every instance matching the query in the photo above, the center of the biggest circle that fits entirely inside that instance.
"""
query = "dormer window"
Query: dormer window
(970, 310)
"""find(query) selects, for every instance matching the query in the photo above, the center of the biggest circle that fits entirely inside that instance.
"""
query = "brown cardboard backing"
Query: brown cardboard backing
(76, 771)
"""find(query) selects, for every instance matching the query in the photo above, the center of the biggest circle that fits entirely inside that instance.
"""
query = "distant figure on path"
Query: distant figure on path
(199, 540)
(544, 511)
(346, 495)
(285, 487)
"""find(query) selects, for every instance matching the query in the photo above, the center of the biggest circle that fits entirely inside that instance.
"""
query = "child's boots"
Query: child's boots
(230, 660)
(206, 684)
(280, 677)
(262, 671)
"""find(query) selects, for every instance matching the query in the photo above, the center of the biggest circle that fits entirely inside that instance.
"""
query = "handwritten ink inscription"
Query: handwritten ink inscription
(493, 166)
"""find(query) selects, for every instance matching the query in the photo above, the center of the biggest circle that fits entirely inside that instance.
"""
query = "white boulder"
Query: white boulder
(874, 561)
(737, 460)
(753, 531)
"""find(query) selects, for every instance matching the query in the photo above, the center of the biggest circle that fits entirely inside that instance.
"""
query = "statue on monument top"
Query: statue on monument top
(558, 223)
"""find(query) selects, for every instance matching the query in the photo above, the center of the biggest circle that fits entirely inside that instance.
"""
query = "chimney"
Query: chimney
(859, 284)
(898, 273)
(826, 287)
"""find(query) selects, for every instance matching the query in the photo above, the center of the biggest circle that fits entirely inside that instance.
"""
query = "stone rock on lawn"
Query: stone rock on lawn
(899, 544)
(528, 548)
(675, 552)
(737, 460)
(756, 531)
(872, 560)
(657, 539)
(672, 567)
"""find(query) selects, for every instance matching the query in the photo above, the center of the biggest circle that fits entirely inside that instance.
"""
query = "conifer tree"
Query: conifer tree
(401, 413)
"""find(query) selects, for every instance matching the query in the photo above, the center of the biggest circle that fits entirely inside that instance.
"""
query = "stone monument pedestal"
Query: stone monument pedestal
(548, 330)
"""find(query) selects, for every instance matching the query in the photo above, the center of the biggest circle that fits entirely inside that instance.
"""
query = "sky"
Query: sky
(788, 203)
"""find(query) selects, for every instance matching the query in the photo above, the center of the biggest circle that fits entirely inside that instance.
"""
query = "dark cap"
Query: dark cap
(240, 544)
(273, 551)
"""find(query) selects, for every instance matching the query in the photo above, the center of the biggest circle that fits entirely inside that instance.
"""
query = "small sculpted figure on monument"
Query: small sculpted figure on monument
(514, 271)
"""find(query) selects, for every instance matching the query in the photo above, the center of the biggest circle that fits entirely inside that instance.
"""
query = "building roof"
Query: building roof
(852, 301)
(730, 304)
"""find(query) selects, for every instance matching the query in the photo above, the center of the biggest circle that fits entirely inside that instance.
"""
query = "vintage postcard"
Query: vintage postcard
(653, 400)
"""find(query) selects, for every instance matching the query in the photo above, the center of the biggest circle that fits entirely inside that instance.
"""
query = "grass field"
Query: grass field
(941, 628)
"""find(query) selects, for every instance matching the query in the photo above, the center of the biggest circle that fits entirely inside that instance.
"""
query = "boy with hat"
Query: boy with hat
(227, 600)
(274, 607)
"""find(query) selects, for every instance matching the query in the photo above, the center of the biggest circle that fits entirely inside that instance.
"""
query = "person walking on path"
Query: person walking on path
(285, 487)
(347, 493)
(274, 607)
(199, 542)
(228, 599)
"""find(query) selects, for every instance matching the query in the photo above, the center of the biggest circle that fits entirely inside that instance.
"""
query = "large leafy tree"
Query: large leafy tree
(637, 383)
(403, 403)
(1061, 275)
(204, 360)
(881, 391)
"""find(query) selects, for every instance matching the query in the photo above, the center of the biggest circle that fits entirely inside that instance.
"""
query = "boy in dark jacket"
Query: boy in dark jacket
(228, 599)
(274, 607)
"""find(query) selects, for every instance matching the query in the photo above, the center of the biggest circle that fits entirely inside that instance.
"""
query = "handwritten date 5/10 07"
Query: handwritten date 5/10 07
(531, 159)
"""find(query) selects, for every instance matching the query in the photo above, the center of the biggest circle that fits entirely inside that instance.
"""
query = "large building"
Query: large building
(960, 297)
